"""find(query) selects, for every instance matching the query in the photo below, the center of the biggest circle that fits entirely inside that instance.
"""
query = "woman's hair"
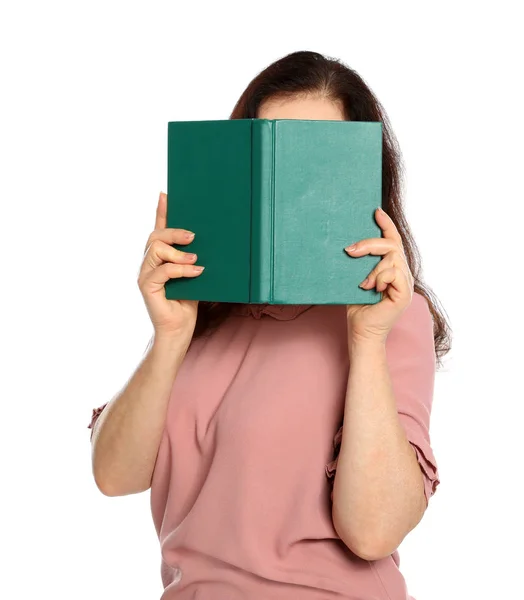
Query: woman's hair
(309, 73)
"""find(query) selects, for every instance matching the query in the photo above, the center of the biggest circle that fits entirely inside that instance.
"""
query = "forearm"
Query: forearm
(378, 490)
(127, 434)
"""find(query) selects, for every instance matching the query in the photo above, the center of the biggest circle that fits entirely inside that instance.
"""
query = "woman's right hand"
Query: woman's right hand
(161, 263)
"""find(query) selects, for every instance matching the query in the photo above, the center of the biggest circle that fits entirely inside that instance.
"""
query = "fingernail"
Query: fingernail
(380, 209)
(350, 248)
(198, 269)
(189, 235)
(190, 256)
(364, 282)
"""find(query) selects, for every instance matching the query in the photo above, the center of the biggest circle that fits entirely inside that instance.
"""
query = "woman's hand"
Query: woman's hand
(161, 263)
(391, 276)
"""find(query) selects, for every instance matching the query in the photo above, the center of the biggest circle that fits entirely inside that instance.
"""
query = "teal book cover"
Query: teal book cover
(273, 204)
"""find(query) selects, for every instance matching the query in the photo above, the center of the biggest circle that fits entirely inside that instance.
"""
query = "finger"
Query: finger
(154, 280)
(393, 281)
(375, 246)
(161, 212)
(388, 261)
(170, 236)
(389, 229)
(159, 252)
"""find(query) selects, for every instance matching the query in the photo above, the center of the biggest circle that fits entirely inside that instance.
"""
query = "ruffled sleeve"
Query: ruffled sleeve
(94, 417)
(410, 352)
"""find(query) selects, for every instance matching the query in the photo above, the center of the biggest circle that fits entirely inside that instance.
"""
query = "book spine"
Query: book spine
(262, 209)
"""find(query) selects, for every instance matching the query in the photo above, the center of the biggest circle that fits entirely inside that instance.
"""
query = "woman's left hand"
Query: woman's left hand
(391, 276)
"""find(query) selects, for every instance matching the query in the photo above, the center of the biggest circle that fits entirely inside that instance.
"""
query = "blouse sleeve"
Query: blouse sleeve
(96, 413)
(411, 359)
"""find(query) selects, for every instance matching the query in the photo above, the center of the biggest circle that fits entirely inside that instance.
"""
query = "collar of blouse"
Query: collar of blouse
(282, 312)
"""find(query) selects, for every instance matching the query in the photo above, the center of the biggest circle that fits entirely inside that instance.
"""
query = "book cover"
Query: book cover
(273, 203)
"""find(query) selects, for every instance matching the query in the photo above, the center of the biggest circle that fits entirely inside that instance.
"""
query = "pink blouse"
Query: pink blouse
(241, 494)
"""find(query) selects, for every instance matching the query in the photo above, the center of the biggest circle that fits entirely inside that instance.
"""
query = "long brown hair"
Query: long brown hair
(310, 73)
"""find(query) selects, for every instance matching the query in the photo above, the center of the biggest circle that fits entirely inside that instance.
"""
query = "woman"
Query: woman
(286, 447)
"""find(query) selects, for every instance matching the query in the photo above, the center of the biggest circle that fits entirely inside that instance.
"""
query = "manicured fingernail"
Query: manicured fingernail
(189, 235)
(190, 256)
(351, 248)
(364, 282)
(198, 269)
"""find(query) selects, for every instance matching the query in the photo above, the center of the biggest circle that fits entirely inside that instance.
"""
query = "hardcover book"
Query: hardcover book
(273, 203)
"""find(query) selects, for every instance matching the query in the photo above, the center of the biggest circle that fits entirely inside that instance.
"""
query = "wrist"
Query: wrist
(171, 342)
(366, 343)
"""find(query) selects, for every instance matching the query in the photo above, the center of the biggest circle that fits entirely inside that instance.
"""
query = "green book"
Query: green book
(273, 204)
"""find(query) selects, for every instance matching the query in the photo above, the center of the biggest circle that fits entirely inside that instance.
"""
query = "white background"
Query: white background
(87, 91)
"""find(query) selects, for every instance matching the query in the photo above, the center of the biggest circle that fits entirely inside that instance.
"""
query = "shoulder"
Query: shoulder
(417, 315)
(414, 329)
